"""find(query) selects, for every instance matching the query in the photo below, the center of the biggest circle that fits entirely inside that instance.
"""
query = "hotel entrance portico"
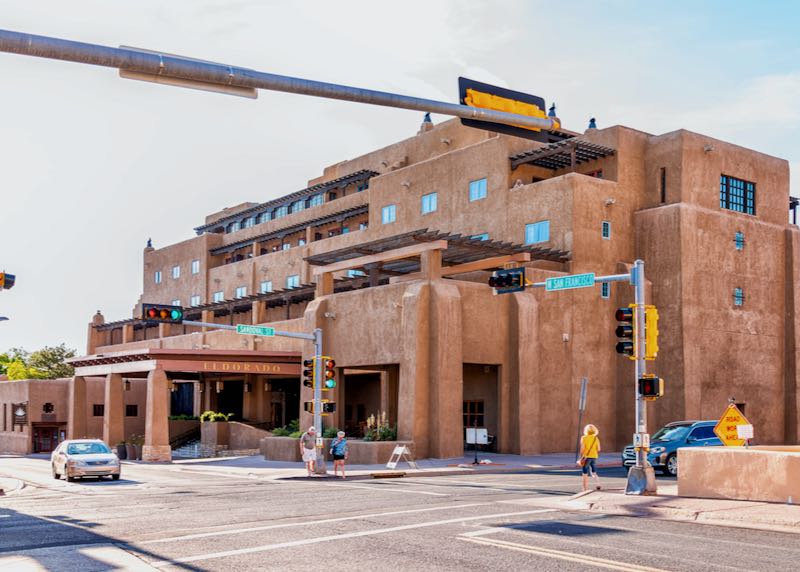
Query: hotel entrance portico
(232, 379)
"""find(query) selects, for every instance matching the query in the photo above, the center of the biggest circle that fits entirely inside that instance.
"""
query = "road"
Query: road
(159, 517)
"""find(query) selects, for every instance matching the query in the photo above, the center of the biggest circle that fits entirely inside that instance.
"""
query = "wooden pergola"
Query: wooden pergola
(562, 154)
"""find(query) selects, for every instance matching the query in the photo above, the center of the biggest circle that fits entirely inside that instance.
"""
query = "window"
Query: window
(301, 242)
(48, 408)
(706, 432)
(345, 229)
(429, 203)
(663, 184)
(605, 290)
(316, 200)
(218, 296)
(483, 236)
(195, 267)
(281, 211)
(355, 273)
(362, 187)
(738, 240)
(737, 195)
(606, 229)
(598, 174)
(473, 413)
(293, 281)
(176, 272)
(98, 409)
(158, 277)
(132, 411)
(388, 214)
(235, 226)
(176, 302)
(363, 226)
(537, 232)
(241, 291)
(264, 217)
(266, 286)
(194, 300)
(285, 246)
(738, 297)
(248, 222)
(298, 206)
(477, 190)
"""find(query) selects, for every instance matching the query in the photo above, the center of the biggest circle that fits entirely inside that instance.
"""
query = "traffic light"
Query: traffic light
(162, 313)
(308, 406)
(651, 387)
(626, 331)
(7, 281)
(308, 372)
(508, 280)
(650, 332)
(329, 375)
(328, 407)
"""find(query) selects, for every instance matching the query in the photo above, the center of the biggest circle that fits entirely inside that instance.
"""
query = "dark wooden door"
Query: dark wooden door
(45, 439)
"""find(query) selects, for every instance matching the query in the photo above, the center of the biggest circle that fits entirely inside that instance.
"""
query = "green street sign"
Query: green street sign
(569, 282)
(254, 330)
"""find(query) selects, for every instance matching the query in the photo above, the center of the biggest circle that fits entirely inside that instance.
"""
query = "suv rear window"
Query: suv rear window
(704, 432)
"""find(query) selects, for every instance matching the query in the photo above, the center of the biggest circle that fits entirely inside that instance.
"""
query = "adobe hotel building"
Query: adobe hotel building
(389, 254)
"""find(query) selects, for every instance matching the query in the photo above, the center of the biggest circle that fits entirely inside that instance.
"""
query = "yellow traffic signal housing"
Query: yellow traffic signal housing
(650, 332)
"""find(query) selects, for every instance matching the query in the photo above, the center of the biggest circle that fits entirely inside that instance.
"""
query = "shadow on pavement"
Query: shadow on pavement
(65, 543)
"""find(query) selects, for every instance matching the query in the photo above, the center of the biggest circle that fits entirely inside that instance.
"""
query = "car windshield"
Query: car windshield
(87, 449)
(671, 433)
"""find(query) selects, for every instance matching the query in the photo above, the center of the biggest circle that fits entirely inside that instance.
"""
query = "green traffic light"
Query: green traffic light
(330, 383)
(176, 314)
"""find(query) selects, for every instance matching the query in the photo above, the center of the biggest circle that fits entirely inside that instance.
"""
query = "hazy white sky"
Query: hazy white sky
(93, 165)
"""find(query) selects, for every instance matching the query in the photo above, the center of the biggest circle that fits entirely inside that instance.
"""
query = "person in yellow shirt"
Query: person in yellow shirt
(590, 451)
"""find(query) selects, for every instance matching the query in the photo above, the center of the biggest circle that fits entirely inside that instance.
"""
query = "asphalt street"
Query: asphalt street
(160, 517)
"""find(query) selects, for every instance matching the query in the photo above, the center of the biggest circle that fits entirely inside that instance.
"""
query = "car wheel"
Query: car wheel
(56, 476)
(115, 477)
(671, 466)
(70, 478)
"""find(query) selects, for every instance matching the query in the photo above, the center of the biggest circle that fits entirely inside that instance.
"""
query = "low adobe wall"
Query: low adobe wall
(181, 426)
(15, 443)
(361, 452)
(762, 473)
(243, 436)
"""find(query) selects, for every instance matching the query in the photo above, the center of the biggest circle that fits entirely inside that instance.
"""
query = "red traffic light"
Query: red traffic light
(330, 364)
(624, 314)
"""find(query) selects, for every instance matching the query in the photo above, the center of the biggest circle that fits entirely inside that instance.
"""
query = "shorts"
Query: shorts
(338, 457)
(589, 464)
(309, 455)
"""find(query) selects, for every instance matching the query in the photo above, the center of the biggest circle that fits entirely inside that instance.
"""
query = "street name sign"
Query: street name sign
(254, 330)
(727, 427)
(569, 282)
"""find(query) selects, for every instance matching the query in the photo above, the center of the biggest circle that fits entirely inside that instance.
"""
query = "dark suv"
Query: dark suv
(665, 442)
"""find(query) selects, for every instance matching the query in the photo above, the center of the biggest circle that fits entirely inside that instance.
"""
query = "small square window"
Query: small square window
(484, 236)
(362, 187)
(158, 277)
(241, 291)
(176, 302)
(218, 296)
(738, 297)
(363, 226)
(98, 409)
(132, 410)
(285, 246)
(293, 281)
(738, 240)
(301, 242)
(537, 232)
(48, 408)
(429, 203)
(194, 300)
(176, 272)
(388, 214)
(355, 273)
(345, 229)
(605, 290)
(195, 267)
(266, 286)
(606, 229)
(477, 190)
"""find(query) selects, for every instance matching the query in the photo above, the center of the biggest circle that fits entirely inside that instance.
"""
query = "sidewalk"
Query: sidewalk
(258, 467)
(667, 505)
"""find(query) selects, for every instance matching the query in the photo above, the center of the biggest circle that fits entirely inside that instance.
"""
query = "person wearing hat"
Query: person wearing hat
(307, 450)
(590, 451)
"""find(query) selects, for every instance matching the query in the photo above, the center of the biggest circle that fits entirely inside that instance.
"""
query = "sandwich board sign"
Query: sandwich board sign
(727, 429)
(401, 453)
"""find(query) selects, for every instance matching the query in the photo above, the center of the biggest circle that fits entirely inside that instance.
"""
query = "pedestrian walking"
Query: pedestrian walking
(339, 452)
(307, 450)
(590, 451)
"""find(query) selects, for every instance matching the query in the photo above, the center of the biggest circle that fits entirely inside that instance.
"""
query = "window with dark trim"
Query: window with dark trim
(606, 229)
(98, 409)
(132, 410)
(737, 195)
(663, 184)
(473, 413)
(738, 297)
(738, 240)
(605, 290)
(48, 408)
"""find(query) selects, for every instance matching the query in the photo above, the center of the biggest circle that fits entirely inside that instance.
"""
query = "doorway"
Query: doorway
(480, 400)
(182, 399)
(285, 400)
(230, 399)
(45, 438)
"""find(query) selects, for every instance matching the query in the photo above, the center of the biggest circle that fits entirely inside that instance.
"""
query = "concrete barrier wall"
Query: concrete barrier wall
(15, 443)
(243, 436)
(763, 473)
(361, 452)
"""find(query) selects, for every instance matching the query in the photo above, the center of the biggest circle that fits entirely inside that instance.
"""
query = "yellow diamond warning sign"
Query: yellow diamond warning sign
(727, 430)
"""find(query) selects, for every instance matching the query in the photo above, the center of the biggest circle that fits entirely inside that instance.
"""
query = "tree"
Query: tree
(46, 363)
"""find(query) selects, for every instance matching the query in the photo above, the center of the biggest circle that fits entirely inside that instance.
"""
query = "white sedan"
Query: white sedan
(84, 458)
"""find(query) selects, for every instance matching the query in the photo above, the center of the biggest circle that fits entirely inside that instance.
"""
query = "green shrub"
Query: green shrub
(295, 434)
(294, 425)
(213, 417)
(182, 417)
(281, 432)
(378, 429)
(330, 432)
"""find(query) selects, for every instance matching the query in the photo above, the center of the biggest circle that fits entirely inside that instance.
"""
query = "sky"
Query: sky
(92, 165)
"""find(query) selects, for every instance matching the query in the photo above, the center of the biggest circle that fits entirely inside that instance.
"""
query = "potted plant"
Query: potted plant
(130, 450)
(122, 452)
(138, 441)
